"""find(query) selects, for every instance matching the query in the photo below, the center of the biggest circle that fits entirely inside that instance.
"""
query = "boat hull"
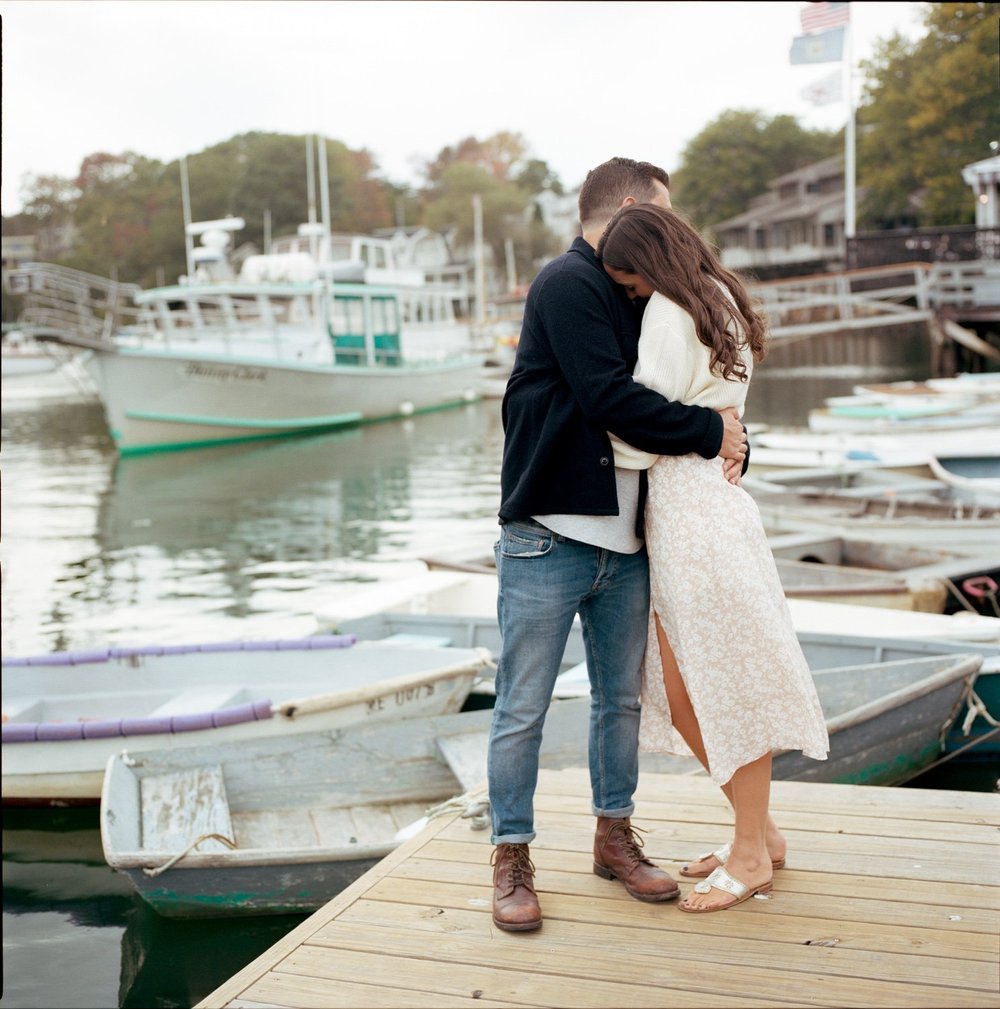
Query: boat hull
(268, 888)
(157, 401)
(16, 365)
(888, 741)
(193, 697)
(876, 635)
(885, 723)
(882, 520)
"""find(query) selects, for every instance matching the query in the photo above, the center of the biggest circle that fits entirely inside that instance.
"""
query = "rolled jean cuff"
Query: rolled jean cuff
(513, 838)
(615, 814)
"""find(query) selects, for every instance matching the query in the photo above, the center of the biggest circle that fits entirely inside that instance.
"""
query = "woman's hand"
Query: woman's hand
(734, 445)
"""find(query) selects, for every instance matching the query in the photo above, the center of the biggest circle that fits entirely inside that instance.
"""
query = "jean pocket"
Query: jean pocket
(520, 541)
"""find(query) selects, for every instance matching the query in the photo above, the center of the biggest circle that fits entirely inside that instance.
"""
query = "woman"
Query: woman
(728, 697)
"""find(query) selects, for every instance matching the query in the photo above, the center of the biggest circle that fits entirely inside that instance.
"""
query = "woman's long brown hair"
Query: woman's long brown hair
(664, 249)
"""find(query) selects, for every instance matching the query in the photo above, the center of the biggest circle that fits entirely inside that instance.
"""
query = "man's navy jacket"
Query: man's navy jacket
(572, 383)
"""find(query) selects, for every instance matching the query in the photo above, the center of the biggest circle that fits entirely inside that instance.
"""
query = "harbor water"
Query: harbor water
(242, 541)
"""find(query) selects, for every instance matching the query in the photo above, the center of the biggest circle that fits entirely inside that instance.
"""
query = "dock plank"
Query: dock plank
(783, 924)
(972, 926)
(891, 897)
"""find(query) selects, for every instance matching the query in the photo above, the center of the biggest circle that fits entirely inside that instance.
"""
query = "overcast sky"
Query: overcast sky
(581, 81)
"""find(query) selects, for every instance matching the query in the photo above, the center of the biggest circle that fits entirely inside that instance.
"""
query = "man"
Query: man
(571, 542)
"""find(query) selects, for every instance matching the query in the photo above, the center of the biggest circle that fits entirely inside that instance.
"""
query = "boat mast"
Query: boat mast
(186, 204)
(324, 194)
(311, 193)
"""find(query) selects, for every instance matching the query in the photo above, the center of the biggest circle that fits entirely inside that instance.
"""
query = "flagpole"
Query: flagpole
(849, 151)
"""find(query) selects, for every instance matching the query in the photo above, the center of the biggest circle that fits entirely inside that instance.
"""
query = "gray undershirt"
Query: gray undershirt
(612, 532)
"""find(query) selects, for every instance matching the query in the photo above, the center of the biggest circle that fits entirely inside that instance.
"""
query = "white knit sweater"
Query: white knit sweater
(674, 362)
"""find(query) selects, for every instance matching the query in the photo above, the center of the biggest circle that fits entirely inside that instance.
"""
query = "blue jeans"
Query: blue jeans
(544, 581)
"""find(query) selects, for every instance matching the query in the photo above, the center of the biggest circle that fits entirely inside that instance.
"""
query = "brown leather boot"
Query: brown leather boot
(618, 855)
(515, 904)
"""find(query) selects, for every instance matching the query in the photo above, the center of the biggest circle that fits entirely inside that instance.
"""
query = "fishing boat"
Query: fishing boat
(322, 331)
(450, 607)
(270, 826)
(810, 579)
(916, 394)
(970, 474)
(228, 359)
(882, 515)
(901, 450)
(20, 356)
(904, 417)
(860, 586)
(985, 384)
(924, 568)
(976, 473)
(280, 825)
(65, 713)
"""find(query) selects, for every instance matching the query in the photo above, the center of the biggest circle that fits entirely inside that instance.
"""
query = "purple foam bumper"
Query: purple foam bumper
(47, 732)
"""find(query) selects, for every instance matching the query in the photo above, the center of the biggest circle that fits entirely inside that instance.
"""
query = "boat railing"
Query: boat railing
(799, 307)
(67, 304)
(902, 293)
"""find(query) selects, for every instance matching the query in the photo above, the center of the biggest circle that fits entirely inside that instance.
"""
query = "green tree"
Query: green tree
(501, 155)
(127, 213)
(536, 176)
(48, 200)
(735, 157)
(259, 174)
(501, 171)
(450, 206)
(125, 202)
(933, 105)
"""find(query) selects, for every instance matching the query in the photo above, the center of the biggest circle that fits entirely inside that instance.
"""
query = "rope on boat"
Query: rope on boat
(194, 844)
(976, 708)
(992, 734)
(472, 806)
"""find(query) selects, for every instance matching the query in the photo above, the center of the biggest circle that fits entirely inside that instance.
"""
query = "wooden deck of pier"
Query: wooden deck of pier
(891, 898)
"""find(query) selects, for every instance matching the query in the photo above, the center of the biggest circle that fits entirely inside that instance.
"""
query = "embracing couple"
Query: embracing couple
(621, 502)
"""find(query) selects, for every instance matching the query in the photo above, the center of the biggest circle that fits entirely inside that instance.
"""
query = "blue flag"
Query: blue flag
(821, 47)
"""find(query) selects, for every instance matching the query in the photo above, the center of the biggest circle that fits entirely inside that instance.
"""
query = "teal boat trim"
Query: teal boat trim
(267, 424)
(289, 431)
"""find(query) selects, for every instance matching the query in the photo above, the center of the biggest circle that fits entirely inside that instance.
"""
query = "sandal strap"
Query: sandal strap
(722, 854)
(721, 880)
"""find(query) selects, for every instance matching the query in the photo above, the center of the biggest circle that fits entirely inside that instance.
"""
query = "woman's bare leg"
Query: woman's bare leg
(686, 723)
(749, 862)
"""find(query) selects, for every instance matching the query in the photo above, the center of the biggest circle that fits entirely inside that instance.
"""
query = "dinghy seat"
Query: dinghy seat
(465, 755)
(183, 806)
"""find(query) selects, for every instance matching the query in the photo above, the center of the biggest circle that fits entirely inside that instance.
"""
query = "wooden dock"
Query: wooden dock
(891, 897)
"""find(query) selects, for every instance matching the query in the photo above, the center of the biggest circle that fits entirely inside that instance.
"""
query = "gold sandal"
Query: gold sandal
(722, 854)
(721, 880)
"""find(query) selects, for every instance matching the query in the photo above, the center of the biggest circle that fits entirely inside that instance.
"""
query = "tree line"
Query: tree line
(927, 108)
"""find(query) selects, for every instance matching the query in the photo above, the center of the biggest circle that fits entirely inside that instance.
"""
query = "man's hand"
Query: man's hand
(734, 445)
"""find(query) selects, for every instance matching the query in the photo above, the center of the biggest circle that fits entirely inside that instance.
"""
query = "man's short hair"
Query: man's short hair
(608, 185)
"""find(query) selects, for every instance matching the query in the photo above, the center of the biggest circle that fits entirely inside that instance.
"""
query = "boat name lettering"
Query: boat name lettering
(223, 372)
(414, 693)
(376, 704)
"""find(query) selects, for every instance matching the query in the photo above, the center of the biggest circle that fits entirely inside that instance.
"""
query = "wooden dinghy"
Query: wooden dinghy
(282, 825)
(65, 713)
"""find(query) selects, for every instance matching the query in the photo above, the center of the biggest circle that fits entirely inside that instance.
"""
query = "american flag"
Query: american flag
(817, 17)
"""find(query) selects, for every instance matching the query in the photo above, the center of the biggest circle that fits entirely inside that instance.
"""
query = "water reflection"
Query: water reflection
(213, 544)
(348, 494)
(80, 925)
(64, 909)
(243, 540)
(178, 963)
